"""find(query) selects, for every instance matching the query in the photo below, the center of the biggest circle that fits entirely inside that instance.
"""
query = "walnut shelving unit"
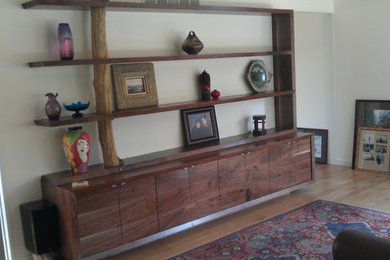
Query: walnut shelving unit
(282, 52)
(109, 215)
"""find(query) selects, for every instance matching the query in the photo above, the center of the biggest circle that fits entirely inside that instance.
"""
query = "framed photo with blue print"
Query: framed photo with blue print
(320, 143)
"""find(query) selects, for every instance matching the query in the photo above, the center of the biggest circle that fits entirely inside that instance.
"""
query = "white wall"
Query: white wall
(362, 60)
(314, 63)
(28, 151)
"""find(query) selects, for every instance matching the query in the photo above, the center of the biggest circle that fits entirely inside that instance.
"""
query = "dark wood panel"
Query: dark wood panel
(228, 199)
(173, 199)
(283, 31)
(232, 178)
(96, 199)
(138, 207)
(204, 207)
(101, 241)
(134, 230)
(281, 175)
(204, 181)
(301, 155)
(303, 171)
(257, 174)
(98, 220)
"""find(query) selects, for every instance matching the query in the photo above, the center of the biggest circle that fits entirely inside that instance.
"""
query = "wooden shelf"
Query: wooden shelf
(152, 58)
(139, 7)
(157, 109)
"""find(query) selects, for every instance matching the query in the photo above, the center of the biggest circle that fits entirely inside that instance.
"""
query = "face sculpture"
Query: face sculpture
(82, 149)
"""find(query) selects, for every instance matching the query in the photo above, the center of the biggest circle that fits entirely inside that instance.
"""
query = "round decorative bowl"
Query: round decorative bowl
(77, 107)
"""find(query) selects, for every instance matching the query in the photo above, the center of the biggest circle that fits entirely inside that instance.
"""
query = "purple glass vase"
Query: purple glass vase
(66, 41)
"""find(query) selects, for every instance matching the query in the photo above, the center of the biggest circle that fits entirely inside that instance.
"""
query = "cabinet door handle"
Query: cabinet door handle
(123, 183)
(193, 166)
(247, 153)
(289, 142)
(294, 142)
(114, 186)
(243, 154)
(186, 168)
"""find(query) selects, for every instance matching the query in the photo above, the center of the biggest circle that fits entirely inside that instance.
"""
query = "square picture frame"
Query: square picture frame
(372, 150)
(320, 143)
(134, 85)
(199, 125)
(366, 114)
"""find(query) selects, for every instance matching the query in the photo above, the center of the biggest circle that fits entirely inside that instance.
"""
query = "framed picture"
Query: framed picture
(372, 153)
(199, 125)
(320, 143)
(369, 113)
(134, 85)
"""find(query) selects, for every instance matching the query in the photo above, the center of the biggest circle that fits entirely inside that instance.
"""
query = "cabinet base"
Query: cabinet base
(166, 233)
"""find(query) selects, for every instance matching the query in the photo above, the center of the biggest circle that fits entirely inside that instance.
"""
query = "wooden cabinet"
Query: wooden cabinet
(290, 163)
(173, 199)
(124, 206)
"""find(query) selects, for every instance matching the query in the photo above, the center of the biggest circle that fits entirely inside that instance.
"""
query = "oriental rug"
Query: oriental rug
(307, 232)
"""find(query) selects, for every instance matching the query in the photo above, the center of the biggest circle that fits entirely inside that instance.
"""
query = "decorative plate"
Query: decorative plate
(259, 75)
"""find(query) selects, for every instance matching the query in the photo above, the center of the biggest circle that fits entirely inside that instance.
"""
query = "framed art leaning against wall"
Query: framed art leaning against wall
(372, 151)
(369, 113)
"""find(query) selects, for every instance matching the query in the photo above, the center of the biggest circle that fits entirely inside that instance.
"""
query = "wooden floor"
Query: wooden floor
(334, 183)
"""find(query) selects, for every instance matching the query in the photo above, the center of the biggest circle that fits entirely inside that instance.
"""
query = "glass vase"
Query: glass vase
(66, 41)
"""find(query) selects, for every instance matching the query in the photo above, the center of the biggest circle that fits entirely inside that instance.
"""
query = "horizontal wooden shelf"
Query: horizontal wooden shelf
(69, 120)
(152, 58)
(195, 104)
(139, 7)
(157, 109)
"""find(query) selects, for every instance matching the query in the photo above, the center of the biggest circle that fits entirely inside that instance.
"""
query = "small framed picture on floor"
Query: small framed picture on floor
(372, 153)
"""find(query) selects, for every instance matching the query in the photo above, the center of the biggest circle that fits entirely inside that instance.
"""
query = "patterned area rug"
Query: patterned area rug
(304, 233)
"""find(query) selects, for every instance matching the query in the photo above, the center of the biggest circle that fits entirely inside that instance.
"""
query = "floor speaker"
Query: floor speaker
(40, 226)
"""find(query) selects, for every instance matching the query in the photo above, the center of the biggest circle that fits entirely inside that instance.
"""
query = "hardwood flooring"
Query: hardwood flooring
(334, 183)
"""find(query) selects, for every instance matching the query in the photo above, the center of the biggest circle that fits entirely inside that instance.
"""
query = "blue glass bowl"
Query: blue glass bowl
(77, 107)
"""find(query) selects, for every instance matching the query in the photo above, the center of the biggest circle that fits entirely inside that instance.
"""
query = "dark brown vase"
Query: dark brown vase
(192, 45)
(52, 108)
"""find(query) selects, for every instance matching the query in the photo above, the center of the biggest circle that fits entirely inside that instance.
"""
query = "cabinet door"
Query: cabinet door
(301, 155)
(281, 168)
(257, 174)
(173, 199)
(204, 189)
(232, 181)
(98, 220)
(138, 207)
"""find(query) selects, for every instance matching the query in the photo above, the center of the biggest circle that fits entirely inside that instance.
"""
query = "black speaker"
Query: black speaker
(40, 226)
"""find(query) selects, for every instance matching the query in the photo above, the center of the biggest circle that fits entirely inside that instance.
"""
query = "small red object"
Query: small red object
(215, 94)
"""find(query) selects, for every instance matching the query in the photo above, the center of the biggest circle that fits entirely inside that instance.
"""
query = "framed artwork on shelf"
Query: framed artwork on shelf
(134, 85)
(372, 153)
(320, 143)
(199, 125)
(369, 113)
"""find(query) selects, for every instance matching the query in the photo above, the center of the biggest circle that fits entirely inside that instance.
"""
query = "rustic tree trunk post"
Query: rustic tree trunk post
(101, 83)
